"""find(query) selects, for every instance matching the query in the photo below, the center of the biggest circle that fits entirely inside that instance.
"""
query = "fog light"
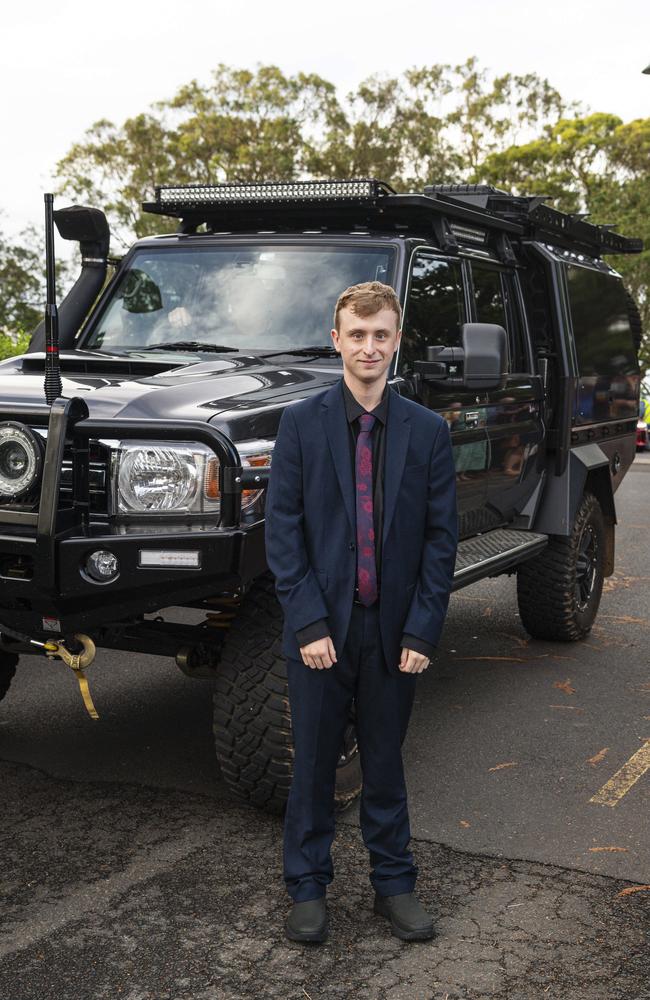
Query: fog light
(102, 566)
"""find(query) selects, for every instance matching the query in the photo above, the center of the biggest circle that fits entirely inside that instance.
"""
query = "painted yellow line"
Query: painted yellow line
(621, 782)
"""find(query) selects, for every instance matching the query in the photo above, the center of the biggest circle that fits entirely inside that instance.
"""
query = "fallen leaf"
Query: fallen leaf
(625, 619)
(634, 888)
(486, 613)
(498, 767)
(597, 757)
(521, 642)
(612, 850)
(464, 823)
(564, 686)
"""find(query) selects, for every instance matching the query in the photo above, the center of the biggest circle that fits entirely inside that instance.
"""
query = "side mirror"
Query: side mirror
(485, 346)
(481, 363)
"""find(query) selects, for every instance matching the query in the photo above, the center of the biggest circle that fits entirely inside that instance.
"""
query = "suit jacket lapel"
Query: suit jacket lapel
(398, 431)
(336, 427)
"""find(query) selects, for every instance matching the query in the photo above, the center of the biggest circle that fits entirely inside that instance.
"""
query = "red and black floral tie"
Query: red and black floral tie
(366, 569)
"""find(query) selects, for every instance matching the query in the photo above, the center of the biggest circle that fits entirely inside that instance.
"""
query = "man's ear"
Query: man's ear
(336, 340)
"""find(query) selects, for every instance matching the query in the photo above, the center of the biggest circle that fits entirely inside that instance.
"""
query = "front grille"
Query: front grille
(97, 482)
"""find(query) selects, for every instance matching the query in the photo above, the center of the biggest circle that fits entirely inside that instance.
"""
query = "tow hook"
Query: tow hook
(78, 663)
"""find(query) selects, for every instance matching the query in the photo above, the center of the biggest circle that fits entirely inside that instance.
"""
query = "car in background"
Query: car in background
(643, 426)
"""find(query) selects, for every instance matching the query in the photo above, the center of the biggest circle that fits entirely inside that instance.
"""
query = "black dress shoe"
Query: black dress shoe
(408, 919)
(307, 921)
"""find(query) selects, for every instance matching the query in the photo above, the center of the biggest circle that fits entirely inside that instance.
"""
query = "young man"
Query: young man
(361, 534)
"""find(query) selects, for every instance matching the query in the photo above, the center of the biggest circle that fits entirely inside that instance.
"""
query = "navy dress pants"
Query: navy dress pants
(320, 711)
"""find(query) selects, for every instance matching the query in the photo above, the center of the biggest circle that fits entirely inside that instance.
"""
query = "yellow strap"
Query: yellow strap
(74, 661)
(85, 692)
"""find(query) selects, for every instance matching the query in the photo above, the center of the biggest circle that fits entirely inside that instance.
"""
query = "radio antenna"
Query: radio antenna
(53, 386)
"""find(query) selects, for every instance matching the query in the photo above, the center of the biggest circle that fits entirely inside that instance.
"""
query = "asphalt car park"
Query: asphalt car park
(130, 870)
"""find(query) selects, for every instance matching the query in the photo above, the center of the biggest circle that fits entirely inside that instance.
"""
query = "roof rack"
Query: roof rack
(461, 213)
(285, 206)
(540, 221)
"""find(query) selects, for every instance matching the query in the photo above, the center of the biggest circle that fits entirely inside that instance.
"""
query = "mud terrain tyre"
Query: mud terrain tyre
(8, 663)
(252, 718)
(559, 590)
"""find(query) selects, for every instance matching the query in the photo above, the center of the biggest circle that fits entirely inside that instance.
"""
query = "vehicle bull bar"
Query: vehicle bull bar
(69, 425)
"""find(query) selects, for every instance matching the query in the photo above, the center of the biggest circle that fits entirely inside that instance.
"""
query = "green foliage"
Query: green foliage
(432, 124)
(597, 165)
(11, 346)
(22, 289)
(435, 123)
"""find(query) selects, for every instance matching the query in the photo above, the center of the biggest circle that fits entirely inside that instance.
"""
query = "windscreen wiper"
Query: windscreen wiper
(187, 345)
(317, 352)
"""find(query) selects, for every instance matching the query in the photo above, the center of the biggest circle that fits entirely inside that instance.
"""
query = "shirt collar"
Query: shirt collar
(354, 409)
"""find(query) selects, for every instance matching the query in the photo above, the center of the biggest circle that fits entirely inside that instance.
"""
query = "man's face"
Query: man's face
(367, 343)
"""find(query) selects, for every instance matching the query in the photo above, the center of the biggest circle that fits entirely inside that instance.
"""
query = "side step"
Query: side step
(493, 552)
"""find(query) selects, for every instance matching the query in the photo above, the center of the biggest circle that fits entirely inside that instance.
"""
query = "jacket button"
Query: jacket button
(352, 546)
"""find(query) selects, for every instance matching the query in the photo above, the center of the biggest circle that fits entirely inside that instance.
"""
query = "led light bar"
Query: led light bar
(468, 233)
(180, 558)
(196, 196)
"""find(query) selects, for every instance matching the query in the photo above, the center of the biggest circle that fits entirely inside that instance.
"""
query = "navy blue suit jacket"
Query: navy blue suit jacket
(310, 521)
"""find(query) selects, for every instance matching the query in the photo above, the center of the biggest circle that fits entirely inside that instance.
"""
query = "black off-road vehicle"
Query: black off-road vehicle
(142, 485)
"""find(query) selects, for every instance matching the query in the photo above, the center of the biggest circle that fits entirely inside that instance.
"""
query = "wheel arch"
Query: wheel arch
(588, 470)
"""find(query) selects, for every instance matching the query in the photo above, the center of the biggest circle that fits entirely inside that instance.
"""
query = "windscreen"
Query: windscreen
(246, 297)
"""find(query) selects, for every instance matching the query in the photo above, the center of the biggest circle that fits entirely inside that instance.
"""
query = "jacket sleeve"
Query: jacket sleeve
(296, 585)
(428, 608)
(317, 630)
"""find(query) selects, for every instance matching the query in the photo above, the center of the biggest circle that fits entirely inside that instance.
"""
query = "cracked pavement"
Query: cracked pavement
(130, 871)
(146, 894)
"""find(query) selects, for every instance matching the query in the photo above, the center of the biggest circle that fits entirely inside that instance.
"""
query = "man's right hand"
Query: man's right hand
(319, 655)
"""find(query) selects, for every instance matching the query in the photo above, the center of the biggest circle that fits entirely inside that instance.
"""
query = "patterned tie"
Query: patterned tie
(366, 569)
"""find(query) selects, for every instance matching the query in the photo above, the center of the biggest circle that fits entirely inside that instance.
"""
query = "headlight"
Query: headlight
(21, 459)
(155, 478)
(180, 478)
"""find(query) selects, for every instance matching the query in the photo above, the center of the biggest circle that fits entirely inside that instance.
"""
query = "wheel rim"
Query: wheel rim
(586, 567)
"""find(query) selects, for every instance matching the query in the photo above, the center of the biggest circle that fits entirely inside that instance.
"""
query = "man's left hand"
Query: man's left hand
(412, 662)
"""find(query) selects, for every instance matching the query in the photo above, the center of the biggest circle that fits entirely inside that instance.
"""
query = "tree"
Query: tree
(432, 124)
(22, 289)
(597, 165)
(243, 126)
(21, 299)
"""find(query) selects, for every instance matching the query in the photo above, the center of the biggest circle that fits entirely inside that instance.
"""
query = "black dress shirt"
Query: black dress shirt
(353, 410)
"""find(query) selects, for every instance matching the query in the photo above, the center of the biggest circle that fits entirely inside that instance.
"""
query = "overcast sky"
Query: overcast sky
(67, 63)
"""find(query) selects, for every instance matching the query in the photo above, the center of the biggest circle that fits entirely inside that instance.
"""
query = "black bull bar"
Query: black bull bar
(54, 537)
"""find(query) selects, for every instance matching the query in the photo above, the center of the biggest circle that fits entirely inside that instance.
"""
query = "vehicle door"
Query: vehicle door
(514, 418)
(435, 309)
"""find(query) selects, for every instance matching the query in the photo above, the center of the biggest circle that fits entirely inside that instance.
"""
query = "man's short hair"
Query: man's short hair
(367, 299)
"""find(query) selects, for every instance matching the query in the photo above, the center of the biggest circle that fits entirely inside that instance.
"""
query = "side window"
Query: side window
(601, 323)
(488, 296)
(515, 326)
(435, 308)
(496, 301)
